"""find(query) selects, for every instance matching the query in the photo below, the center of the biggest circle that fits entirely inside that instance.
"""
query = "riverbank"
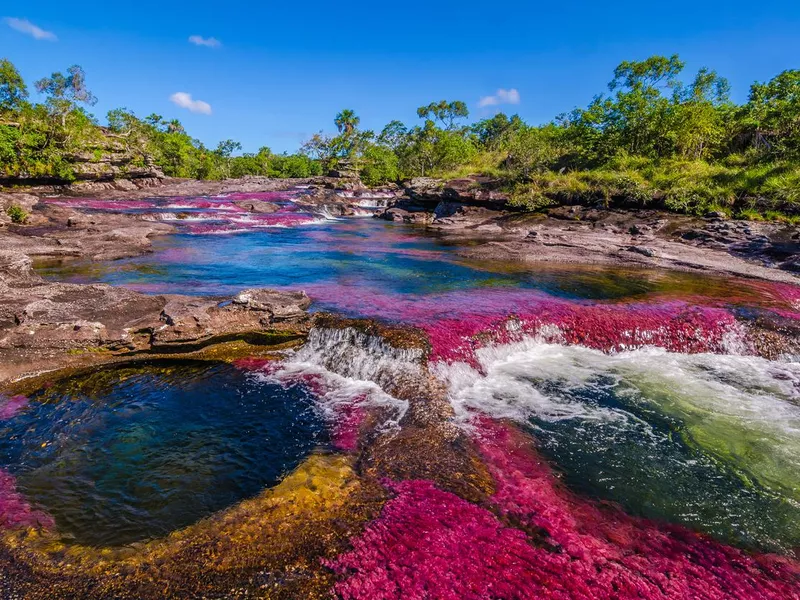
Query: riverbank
(48, 325)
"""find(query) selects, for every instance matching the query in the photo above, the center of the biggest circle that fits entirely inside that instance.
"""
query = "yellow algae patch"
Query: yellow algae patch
(269, 546)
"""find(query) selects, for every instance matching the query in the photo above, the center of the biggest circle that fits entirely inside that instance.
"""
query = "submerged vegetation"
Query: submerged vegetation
(654, 138)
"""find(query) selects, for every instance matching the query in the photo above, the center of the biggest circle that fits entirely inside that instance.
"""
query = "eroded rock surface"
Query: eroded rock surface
(44, 325)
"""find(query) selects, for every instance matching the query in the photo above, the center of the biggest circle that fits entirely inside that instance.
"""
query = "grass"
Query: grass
(734, 187)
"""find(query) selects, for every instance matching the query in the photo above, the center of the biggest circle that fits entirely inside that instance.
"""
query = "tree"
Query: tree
(346, 121)
(393, 135)
(647, 75)
(445, 112)
(497, 131)
(698, 114)
(226, 148)
(319, 147)
(534, 149)
(13, 91)
(772, 113)
(66, 90)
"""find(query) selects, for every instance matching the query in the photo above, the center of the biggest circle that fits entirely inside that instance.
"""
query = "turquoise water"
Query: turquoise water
(334, 259)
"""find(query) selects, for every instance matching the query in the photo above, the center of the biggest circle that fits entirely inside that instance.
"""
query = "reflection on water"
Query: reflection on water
(131, 453)
(377, 257)
(706, 441)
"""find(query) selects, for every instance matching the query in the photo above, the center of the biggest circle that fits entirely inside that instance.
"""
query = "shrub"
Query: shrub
(17, 214)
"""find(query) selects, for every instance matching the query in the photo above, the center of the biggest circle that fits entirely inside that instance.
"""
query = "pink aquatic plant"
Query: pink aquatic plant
(674, 326)
(9, 407)
(429, 543)
(15, 511)
(462, 321)
(609, 554)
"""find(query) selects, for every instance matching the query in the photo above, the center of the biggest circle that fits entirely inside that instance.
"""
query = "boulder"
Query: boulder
(257, 206)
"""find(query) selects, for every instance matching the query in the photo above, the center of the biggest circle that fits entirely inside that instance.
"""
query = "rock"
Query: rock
(257, 206)
(282, 305)
(406, 215)
(643, 250)
(17, 268)
(25, 201)
(637, 229)
(50, 325)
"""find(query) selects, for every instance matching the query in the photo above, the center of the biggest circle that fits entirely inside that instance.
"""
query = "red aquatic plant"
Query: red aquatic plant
(460, 322)
(674, 326)
(9, 407)
(429, 543)
(15, 511)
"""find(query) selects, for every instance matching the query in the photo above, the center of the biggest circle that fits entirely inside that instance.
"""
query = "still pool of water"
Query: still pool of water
(132, 453)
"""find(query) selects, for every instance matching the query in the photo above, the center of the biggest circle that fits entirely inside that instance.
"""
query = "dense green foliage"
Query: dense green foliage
(17, 214)
(655, 137)
(43, 141)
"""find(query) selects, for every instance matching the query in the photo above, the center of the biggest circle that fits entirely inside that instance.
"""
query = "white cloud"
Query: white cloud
(26, 27)
(501, 97)
(199, 40)
(184, 100)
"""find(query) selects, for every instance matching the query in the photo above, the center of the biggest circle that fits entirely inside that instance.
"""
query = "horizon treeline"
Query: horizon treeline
(655, 135)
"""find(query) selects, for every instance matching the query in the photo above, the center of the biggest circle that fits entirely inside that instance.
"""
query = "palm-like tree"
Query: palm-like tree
(346, 121)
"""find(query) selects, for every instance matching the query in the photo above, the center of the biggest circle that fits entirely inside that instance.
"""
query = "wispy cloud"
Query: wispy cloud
(501, 97)
(199, 40)
(28, 28)
(185, 100)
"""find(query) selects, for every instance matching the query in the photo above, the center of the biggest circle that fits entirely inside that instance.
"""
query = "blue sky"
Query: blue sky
(282, 70)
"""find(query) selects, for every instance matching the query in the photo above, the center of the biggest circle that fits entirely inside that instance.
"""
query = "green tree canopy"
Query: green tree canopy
(447, 113)
(13, 91)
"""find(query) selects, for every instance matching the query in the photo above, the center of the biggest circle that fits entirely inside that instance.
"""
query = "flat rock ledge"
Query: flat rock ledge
(46, 326)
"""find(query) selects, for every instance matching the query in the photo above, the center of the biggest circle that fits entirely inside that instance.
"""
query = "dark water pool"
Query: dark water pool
(131, 453)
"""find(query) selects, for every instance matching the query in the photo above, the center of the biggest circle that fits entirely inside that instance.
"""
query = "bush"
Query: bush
(17, 214)
(381, 166)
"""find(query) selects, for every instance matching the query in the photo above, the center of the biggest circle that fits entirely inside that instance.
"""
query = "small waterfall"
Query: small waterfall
(356, 355)
(349, 372)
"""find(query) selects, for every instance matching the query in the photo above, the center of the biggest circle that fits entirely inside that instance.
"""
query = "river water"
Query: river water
(640, 387)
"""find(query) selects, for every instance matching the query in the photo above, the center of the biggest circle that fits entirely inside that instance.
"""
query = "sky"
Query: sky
(273, 74)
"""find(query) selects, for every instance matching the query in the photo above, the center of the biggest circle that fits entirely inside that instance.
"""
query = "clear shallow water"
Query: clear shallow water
(127, 454)
(361, 265)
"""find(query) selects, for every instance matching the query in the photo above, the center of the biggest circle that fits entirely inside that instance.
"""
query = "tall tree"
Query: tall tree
(773, 112)
(65, 91)
(346, 121)
(447, 113)
(698, 114)
(13, 91)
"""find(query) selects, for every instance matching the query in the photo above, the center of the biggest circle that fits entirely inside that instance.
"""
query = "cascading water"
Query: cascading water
(710, 441)
(350, 372)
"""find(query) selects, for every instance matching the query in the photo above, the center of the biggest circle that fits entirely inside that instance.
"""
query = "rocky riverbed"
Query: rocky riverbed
(43, 319)
(513, 405)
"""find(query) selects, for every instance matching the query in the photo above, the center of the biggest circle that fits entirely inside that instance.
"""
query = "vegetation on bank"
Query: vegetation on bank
(655, 138)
